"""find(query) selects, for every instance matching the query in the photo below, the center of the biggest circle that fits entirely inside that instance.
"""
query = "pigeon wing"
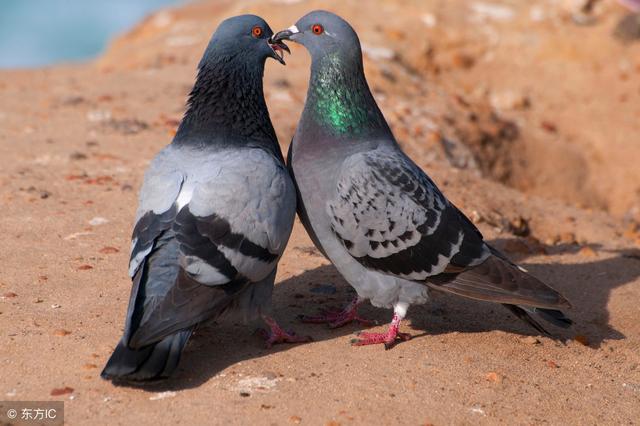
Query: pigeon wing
(228, 235)
(393, 219)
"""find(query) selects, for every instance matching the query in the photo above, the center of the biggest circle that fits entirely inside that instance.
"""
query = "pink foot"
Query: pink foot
(390, 338)
(278, 335)
(337, 318)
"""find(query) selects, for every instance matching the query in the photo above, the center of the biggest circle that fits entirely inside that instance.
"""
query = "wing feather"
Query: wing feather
(392, 219)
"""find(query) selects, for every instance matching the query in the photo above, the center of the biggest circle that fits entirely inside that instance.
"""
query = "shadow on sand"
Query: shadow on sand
(587, 285)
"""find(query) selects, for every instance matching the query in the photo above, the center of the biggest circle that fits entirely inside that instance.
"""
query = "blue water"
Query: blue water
(43, 32)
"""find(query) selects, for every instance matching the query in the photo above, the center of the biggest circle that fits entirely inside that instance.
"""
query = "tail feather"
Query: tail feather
(499, 280)
(554, 316)
(153, 362)
(524, 316)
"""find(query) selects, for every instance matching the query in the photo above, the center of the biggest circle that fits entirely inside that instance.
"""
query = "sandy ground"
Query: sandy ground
(75, 140)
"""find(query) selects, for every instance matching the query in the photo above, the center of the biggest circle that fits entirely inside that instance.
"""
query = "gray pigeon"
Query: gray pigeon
(216, 211)
(377, 216)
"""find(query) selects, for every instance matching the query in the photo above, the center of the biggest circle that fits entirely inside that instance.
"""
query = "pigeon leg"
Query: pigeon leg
(337, 319)
(391, 336)
(278, 335)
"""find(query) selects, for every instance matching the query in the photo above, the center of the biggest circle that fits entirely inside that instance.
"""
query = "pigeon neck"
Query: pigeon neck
(339, 101)
(227, 105)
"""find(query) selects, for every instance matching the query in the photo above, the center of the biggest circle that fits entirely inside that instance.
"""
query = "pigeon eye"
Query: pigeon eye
(317, 29)
(256, 32)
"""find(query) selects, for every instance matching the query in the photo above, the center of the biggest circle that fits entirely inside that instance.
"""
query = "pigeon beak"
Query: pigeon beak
(287, 34)
(277, 50)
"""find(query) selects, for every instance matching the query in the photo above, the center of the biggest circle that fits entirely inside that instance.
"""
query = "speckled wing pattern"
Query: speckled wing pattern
(393, 219)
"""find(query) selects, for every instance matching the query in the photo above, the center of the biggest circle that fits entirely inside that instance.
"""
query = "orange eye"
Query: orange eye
(317, 29)
(256, 32)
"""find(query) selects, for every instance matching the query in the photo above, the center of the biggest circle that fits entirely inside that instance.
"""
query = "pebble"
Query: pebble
(162, 395)
(494, 377)
(96, 221)
(531, 340)
(587, 251)
(429, 20)
(109, 250)
(492, 11)
(61, 391)
(97, 116)
(509, 100)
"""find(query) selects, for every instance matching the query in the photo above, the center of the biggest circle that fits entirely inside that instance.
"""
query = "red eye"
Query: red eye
(317, 29)
(256, 32)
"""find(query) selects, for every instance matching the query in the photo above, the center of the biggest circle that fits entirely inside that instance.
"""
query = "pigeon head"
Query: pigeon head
(323, 33)
(226, 104)
(339, 104)
(244, 37)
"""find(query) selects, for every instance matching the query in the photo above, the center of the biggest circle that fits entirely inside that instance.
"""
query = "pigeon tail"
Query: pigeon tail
(553, 316)
(153, 362)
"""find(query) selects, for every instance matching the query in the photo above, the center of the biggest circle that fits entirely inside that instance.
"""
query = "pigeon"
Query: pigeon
(216, 210)
(375, 214)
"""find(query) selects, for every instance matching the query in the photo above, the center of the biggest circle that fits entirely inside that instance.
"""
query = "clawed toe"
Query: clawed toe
(390, 338)
(278, 335)
(338, 318)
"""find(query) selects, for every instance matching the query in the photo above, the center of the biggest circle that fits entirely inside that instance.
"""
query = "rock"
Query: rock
(77, 155)
(109, 250)
(494, 377)
(567, 238)
(519, 226)
(96, 221)
(549, 126)
(509, 100)
(491, 11)
(587, 251)
(429, 20)
(462, 60)
(531, 340)
(583, 12)
(98, 116)
(61, 332)
(162, 395)
(61, 391)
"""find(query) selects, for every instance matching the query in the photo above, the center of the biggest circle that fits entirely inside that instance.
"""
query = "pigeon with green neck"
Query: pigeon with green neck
(374, 213)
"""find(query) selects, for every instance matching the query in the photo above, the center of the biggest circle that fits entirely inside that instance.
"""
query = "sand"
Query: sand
(548, 177)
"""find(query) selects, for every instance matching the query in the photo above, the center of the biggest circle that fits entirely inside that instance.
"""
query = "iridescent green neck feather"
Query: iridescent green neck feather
(339, 99)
